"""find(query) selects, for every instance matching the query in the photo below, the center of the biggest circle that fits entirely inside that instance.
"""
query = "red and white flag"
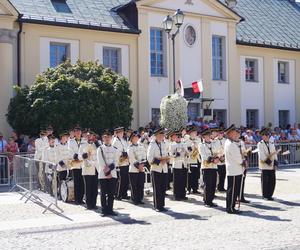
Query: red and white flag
(197, 87)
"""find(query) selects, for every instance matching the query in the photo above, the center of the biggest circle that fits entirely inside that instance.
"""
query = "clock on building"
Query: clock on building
(190, 35)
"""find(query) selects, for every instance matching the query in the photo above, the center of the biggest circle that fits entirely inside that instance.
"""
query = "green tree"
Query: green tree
(85, 93)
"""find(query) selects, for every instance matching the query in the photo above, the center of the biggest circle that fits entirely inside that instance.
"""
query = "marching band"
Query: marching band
(122, 161)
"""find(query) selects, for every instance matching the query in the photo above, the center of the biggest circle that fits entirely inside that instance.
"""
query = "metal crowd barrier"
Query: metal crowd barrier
(288, 156)
(37, 181)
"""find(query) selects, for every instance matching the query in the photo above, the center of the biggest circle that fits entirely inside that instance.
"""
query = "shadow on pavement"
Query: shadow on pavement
(263, 217)
(127, 220)
(183, 216)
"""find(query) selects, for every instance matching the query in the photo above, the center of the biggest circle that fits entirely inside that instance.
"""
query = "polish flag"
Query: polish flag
(197, 87)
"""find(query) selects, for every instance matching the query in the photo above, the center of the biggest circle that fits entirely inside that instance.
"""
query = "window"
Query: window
(284, 118)
(251, 70)
(157, 48)
(155, 116)
(193, 110)
(59, 52)
(112, 58)
(61, 6)
(220, 115)
(283, 72)
(252, 118)
(218, 57)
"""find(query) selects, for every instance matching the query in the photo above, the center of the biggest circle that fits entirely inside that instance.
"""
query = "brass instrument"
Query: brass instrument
(270, 156)
(74, 164)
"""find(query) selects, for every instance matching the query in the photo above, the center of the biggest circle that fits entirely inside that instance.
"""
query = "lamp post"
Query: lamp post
(168, 22)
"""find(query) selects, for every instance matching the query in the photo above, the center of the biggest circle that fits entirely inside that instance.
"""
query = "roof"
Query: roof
(269, 23)
(93, 14)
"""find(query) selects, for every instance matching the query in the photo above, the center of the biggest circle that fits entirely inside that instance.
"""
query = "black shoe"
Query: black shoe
(244, 201)
(213, 205)
(166, 194)
(185, 198)
(135, 202)
(112, 213)
(270, 199)
(234, 211)
(118, 198)
(177, 199)
(222, 190)
(164, 209)
(141, 202)
(196, 192)
(126, 198)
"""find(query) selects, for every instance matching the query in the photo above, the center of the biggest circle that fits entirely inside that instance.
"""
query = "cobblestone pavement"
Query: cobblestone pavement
(187, 225)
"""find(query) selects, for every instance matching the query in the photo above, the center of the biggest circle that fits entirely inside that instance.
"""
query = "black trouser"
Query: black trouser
(243, 185)
(170, 177)
(3, 170)
(179, 184)
(123, 182)
(268, 182)
(210, 182)
(78, 185)
(62, 175)
(233, 191)
(137, 181)
(91, 190)
(222, 175)
(108, 188)
(159, 181)
(193, 177)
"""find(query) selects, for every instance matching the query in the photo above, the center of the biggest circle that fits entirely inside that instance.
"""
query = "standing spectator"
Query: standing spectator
(257, 137)
(293, 135)
(31, 146)
(282, 137)
(17, 138)
(298, 129)
(249, 137)
(3, 172)
(11, 149)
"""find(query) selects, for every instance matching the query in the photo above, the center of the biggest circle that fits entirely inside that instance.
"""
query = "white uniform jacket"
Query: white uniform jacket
(192, 145)
(40, 145)
(208, 150)
(50, 155)
(265, 149)
(89, 165)
(121, 145)
(233, 158)
(105, 157)
(178, 153)
(63, 154)
(219, 144)
(155, 151)
(136, 154)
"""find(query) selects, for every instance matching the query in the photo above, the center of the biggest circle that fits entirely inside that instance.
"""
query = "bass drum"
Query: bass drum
(67, 191)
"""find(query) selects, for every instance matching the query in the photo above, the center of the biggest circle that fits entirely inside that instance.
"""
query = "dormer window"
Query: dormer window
(61, 6)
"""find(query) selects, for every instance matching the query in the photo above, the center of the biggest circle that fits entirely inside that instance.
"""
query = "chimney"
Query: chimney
(231, 3)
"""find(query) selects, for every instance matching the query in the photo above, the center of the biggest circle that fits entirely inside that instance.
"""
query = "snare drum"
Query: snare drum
(67, 190)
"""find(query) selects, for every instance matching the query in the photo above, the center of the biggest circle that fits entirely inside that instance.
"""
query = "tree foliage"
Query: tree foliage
(86, 94)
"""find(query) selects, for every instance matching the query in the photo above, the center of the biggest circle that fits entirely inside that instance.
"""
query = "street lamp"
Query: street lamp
(168, 22)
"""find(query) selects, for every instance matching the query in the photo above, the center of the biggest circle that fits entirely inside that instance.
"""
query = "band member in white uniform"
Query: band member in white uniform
(40, 145)
(192, 142)
(137, 159)
(219, 141)
(234, 168)
(210, 159)
(158, 158)
(123, 164)
(267, 164)
(107, 158)
(50, 156)
(74, 145)
(88, 154)
(179, 155)
(64, 156)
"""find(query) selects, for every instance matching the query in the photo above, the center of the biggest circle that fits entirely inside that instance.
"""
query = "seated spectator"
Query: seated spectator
(282, 137)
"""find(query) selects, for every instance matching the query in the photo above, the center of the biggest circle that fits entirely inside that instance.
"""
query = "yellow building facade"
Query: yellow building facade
(27, 43)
